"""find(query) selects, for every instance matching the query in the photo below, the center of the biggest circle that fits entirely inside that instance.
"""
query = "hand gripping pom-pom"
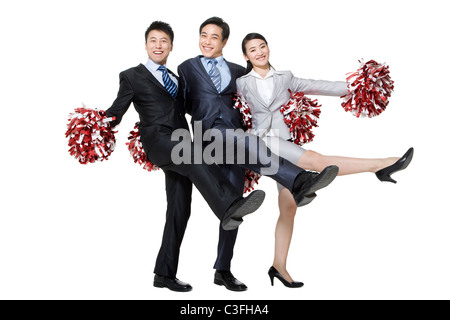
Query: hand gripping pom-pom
(251, 178)
(244, 109)
(369, 90)
(137, 151)
(301, 115)
(91, 137)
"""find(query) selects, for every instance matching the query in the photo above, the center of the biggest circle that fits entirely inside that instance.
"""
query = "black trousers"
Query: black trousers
(213, 185)
(227, 238)
(258, 158)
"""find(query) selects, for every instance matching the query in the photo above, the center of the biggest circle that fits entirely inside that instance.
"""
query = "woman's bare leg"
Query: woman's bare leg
(312, 160)
(283, 231)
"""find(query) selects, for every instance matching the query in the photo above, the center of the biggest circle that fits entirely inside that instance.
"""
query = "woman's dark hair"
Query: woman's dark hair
(220, 23)
(161, 26)
(249, 37)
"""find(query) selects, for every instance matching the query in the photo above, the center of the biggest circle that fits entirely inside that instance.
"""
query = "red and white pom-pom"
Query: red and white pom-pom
(251, 178)
(301, 115)
(245, 111)
(91, 137)
(369, 90)
(137, 151)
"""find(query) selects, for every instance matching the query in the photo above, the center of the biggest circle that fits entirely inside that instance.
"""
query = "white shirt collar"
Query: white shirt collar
(219, 59)
(151, 65)
(268, 75)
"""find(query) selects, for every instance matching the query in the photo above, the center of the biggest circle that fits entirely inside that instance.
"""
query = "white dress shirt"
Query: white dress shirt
(265, 85)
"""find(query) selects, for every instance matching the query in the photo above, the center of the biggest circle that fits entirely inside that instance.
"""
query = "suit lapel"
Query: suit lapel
(152, 78)
(155, 81)
(277, 82)
(255, 92)
(202, 71)
(233, 73)
(199, 66)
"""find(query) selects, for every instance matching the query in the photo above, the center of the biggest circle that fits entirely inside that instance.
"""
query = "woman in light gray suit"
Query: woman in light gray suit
(265, 91)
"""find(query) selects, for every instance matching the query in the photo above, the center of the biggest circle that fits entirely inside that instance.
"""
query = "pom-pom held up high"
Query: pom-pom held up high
(369, 90)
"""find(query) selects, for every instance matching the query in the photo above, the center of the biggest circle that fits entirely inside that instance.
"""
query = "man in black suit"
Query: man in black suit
(209, 84)
(154, 92)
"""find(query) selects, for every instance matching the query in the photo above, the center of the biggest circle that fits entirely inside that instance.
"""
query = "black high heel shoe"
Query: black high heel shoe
(273, 273)
(385, 173)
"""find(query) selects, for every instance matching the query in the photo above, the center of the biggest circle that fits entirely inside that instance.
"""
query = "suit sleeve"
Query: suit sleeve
(240, 71)
(240, 85)
(122, 102)
(183, 86)
(319, 87)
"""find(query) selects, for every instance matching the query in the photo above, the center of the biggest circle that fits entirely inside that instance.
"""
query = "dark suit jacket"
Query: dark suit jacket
(159, 113)
(202, 100)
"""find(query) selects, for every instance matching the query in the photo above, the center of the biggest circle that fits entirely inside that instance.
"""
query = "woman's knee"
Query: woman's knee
(288, 207)
(312, 160)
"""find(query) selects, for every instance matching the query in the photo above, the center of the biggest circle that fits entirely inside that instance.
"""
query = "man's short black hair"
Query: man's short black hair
(220, 23)
(161, 26)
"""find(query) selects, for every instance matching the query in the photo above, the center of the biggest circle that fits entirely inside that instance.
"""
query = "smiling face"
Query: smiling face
(257, 52)
(211, 41)
(158, 46)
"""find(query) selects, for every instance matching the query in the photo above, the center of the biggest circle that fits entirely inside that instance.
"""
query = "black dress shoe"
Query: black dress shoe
(172, 284)
(242, 207)
(402, 163)
(226, 278)
(273, 273)
(307, 183)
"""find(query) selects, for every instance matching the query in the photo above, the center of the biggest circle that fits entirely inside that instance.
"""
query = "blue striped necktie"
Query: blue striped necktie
(170, 86)
(215, 74)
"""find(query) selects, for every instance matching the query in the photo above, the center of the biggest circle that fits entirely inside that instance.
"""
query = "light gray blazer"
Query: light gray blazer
(268, 116)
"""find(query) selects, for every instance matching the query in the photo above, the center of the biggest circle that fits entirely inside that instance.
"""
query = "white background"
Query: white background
(69, 231)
